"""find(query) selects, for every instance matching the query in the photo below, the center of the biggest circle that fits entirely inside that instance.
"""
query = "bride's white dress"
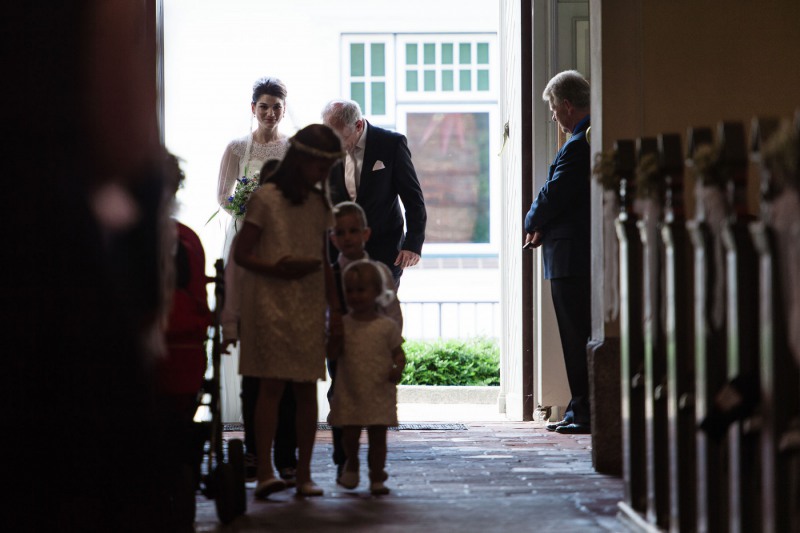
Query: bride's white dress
(238, 160)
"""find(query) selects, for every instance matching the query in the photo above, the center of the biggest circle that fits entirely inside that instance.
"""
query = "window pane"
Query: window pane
(357, 93)
(430, 80)
(430, 53)
(451, 157)
(377, 59)
(378, 98)
(447, 53)
(447, 80)
(464, 80)
(357, 59)
(465, 53)
(412, 81)
(483, 53)
(411, 54)
(483, 80)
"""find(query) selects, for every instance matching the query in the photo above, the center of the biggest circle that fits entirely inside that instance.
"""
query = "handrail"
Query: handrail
(452, 319)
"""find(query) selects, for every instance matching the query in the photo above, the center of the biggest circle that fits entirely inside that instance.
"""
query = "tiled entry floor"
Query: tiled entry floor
(493, 476)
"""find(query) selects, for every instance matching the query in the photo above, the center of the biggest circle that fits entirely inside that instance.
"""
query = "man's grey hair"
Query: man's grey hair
(568, 85)
(341, 113)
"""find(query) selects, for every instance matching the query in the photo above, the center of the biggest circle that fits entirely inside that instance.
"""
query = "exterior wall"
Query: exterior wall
(214, 52)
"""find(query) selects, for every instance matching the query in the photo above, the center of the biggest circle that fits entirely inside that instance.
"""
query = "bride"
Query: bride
(244, 158)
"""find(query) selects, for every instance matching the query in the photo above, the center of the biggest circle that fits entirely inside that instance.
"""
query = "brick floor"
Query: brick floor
(493, 476)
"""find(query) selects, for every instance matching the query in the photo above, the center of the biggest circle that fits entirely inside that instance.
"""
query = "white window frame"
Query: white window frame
(388, 40)
(455, 95)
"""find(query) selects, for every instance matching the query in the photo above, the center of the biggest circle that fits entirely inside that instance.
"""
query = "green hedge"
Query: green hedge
(452, 362)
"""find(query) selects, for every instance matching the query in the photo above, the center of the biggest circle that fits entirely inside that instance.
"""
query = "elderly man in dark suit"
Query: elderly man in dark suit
(378, 174)
(558, 221)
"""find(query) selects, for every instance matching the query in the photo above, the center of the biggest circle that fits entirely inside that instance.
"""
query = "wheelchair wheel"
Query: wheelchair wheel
(236, 460)
(225, 493)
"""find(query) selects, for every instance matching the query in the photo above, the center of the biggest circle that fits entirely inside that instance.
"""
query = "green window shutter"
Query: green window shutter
(357, 59)
(430, 80)
(465, 53)
(447, 80)
(358, 92)
(378, 59)
(483, 53)
(378, 98)
(447, 53)
(464, 80)
(429, 51)
(483, 80)
(412, 81)
(411, 54)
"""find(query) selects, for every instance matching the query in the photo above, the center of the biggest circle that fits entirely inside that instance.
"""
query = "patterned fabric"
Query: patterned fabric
(364, 396)
(234, 166)
(283, 321)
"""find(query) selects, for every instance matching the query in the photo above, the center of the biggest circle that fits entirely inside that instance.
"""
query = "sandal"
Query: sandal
(309, 488)
(269, 486)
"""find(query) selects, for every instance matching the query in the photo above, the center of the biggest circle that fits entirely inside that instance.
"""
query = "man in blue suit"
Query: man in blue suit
(558, 221)
(378, 174)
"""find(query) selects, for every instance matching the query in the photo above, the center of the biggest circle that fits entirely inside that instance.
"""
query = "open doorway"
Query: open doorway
(434, 78)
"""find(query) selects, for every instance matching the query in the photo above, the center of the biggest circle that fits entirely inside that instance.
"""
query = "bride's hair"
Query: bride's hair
(271, 86)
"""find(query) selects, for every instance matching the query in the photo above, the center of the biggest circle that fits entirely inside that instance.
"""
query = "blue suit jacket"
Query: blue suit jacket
(561, 210)
(380, 192)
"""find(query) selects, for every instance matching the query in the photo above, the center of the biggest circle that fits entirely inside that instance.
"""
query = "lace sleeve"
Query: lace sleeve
(228, 173)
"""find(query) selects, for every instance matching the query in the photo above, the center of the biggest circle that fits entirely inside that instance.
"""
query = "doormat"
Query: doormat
(322, 426)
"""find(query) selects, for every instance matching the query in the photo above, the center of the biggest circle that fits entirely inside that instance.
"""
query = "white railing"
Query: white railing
(424, 320)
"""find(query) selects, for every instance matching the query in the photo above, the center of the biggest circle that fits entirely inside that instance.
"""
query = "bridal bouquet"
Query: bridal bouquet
(237, 202)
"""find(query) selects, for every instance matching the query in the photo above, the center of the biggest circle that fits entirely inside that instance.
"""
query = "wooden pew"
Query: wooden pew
(678, 333)
(742, 334)
(710, 347)
(634, 466)
(650, 191)
(779, 406)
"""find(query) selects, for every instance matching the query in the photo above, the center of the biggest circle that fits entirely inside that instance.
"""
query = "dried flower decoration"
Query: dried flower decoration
(781, 156)
(709, 168)
(649, 182)
(604, 171)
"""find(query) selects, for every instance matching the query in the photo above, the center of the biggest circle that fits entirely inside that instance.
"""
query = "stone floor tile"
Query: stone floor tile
(495, 476)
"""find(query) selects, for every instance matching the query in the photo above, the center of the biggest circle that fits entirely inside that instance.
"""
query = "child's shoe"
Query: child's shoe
(377, 488)
(348, 479)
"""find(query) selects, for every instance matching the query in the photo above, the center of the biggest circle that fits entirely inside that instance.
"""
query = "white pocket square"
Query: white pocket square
(378, 165)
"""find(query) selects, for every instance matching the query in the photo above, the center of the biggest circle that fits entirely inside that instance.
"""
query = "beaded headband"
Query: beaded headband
(315, 151)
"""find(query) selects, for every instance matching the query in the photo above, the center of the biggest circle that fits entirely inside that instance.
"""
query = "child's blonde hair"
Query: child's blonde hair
(350, 208)
(372, 273)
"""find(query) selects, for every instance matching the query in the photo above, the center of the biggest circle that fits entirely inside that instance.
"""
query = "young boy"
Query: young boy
(350, 235)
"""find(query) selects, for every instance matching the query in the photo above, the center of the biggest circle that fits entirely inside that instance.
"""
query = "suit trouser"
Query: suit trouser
(572, 302)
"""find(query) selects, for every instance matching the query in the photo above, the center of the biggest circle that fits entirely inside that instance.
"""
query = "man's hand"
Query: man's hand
(533, 240)
(406, 259)
(396, 375)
